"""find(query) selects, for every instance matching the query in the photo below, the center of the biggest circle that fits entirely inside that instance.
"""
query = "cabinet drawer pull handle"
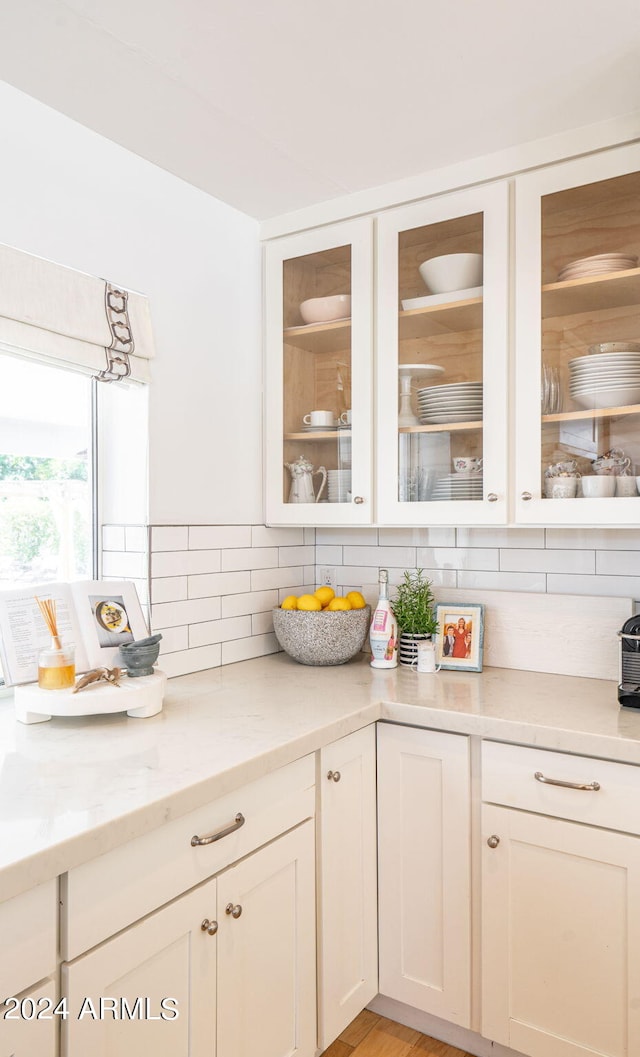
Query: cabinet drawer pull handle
(334, 776)
(238, 821)
(493, 841)
(235, 911)
(592, 787)
(209, 926)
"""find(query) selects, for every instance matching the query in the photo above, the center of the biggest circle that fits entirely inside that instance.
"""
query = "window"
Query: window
(47, 480)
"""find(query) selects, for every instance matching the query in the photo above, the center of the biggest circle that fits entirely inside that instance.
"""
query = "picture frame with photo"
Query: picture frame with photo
(460, 637)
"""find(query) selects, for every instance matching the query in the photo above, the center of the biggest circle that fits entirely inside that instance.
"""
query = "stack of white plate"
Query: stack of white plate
(458, 486)
(339, 485)
(600, 264)
(607, 379)
(458, 402)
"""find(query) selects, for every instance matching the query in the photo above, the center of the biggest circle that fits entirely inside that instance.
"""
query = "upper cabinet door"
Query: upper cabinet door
(318, 289)
(442, 348)
(578, 342)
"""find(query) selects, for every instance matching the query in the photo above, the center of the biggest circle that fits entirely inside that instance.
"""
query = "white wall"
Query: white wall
(71, 196)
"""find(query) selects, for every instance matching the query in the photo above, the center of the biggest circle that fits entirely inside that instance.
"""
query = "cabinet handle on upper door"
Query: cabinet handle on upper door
(334, 776)
(358, 499)
(235, 911)
(493, 841)
(238, 821)
(592, 787)
(209, 926)
(526, 495)
(492, 497)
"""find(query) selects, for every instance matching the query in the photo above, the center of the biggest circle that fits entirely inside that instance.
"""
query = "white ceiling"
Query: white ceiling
(273, 105)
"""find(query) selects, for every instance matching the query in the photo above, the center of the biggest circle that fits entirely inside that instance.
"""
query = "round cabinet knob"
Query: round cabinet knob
(235, 911)
(526, 496)
(492, 497)
(358, 499)
(334, 776)
(493, 841)
(209, 926)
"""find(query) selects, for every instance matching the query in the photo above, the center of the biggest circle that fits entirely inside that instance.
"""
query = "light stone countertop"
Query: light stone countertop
(72, 789)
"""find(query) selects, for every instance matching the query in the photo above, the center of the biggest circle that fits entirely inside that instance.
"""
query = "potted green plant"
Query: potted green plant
(414, 609)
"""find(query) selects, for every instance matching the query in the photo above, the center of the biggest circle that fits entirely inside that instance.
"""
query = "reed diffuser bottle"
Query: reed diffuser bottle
(56, 664)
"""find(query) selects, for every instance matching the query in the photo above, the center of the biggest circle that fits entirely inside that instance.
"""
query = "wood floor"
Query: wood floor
(372, 1036)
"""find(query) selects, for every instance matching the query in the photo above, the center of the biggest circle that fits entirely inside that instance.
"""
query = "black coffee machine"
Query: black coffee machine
(629, 684)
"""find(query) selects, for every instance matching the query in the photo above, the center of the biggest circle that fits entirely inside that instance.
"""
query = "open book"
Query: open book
(98, 616)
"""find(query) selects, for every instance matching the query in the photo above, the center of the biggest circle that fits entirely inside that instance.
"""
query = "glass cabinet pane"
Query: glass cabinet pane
(590, 384)
(317, 363)
(440, 361)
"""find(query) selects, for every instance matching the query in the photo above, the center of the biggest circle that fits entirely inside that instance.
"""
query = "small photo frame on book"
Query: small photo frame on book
(460, 636)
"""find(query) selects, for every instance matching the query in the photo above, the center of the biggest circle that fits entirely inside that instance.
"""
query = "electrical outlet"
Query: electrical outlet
(327, 576)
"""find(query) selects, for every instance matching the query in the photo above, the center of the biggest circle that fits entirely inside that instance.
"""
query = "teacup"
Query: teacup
(557, 468)
(345, 418)
(563, 487)
(318, 418)
(611, 467)
(467, 464)
(626, 486)
(598, 486)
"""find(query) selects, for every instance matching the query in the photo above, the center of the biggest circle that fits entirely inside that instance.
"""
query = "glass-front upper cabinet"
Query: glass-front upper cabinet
(442, 348)
(318, 304)
(578, 342)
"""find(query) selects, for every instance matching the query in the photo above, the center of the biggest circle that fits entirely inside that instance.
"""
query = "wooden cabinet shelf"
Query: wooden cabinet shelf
(441, 319)
(320, 337)
(447, 427)
(329, 434)
(601, 412)
(594, 294)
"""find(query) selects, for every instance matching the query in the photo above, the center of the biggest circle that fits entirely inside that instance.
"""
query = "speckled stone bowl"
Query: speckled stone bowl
(322, 638)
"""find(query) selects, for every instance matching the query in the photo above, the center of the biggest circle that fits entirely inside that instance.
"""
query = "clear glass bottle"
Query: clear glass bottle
(56, 666)
(383, 633)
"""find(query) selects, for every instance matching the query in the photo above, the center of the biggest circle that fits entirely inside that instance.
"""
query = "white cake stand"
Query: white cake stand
(407, 372)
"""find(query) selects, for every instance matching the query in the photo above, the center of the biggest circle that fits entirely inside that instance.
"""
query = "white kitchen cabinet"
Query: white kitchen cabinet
(424, 870)
(565, 213)
(319, 367)
(449, 353)
(560, 916)
(347, 890)
(29, 1022)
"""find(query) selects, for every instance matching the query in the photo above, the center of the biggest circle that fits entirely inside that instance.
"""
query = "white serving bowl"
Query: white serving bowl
(326, 309)
(452, 271)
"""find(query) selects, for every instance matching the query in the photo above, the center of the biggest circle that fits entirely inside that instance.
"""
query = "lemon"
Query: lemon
(290, 602)
(324, 595)
(309, 602)
(339, 603)
(356, 599)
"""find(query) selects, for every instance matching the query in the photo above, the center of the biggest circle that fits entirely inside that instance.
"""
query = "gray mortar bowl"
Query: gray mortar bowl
(139, 657)
(321, 637)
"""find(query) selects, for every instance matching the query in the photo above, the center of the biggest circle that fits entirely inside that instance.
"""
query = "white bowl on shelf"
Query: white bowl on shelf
(326, 309)
(452, 271)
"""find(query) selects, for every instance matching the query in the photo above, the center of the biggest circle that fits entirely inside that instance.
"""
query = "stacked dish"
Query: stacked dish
(458, 486)
(600, 264)
(339, 486)
(606, 379)
(458, 402)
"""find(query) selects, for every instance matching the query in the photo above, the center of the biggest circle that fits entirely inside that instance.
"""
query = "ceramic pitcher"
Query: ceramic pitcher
(302, 474)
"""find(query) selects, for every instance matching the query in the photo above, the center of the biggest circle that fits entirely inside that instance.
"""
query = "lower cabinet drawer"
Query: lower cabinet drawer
(579, 788)
(107, 894)
(29, 1025)
(28, 927)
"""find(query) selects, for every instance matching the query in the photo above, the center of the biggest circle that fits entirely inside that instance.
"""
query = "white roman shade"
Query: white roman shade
(56, 313)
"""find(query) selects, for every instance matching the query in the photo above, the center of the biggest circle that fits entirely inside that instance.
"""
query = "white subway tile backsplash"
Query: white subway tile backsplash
(309, 537)
(547, 561)
(187, 661)
(170, 614)
(438, 536)
(500, 537)
(169, 538)
(296, 556)
(173, 639)
(502, 581)
(457, 558)
(382, 557)
(609, 586)
(361, 537)
(268, 579)
(169, 589)
(263, 536)
(262, 623)
(310, 575)
(136, 538)
(244, 649)
(328, 554)
(113, 538)
(214, 537)
(253, 602)
(594, 539)
(219, 584)
(250, 558)
(124, 564)
(211, 631)
(616, 563)
(184, 563)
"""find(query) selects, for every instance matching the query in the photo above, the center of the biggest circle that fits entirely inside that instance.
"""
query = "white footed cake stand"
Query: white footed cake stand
(407, 372)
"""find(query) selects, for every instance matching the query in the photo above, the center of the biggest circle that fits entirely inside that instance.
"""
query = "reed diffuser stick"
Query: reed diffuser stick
(47, 607)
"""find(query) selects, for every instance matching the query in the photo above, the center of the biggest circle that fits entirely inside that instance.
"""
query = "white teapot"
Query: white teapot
(302, 474)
